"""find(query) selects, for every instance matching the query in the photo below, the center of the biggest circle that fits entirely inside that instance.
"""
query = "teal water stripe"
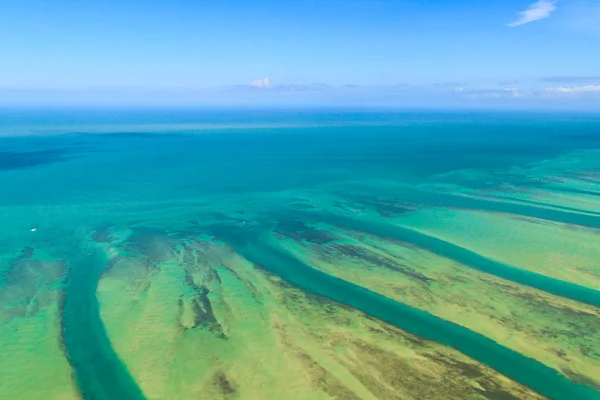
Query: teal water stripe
(555, 188)
(524, 370)
(99, 372)
(467, 257)
(549, 214)
(538, 204)
(555, 215)
(438, 199)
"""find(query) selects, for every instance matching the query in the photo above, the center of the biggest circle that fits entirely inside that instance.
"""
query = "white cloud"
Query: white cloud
(493, 94)
(540, 10)
(513, 92)
(261, 83)
(576, 89)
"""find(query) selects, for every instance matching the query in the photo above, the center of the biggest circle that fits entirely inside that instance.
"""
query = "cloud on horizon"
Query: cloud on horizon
(576, 89)
(509, 92)
(261, 83)
(539, 10)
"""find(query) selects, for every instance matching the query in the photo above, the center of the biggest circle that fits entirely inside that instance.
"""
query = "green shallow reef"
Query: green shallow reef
(205, 323)
(315, 256)
(32, 364)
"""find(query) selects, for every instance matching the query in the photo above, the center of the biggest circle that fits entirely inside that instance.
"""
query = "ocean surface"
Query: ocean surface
(179, 254)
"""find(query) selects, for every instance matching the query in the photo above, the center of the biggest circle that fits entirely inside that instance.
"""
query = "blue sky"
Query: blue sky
(436, 53)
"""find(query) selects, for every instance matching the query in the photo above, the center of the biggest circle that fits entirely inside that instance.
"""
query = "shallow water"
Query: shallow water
(150, 212)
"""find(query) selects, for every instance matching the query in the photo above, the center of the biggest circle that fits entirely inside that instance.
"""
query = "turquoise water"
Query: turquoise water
(235, 175)
(99, 372)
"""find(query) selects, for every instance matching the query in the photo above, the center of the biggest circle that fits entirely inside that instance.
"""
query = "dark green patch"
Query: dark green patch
(27, 252)
(302, 232)
(153, 244)
(498, 394)
(581, 379)
(223, 384)
(103, 235)
(384, 206)
(374, 259)
(466, 369)
(204, 316)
